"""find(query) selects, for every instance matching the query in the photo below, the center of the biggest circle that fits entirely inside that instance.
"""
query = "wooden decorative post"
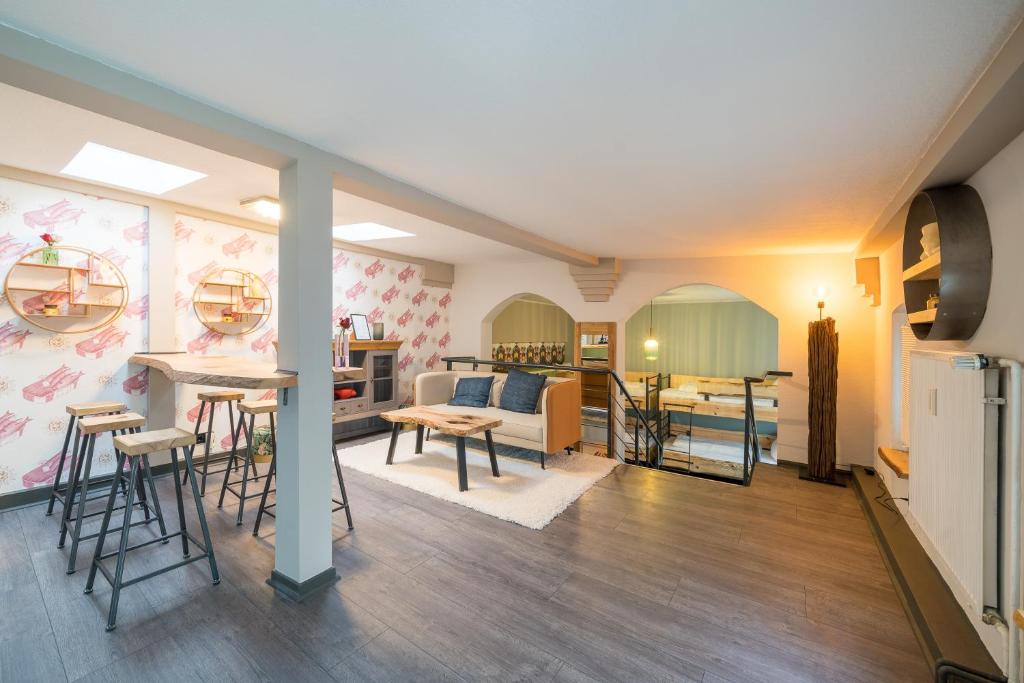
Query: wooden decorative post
(823, 374)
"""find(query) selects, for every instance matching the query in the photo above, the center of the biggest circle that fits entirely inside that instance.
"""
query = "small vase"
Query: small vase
(50, 256)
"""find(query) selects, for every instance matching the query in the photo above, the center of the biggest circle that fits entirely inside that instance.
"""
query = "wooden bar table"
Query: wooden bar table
(231, 372)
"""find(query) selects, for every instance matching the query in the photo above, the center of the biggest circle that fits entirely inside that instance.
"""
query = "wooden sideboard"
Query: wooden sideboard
(376, 388)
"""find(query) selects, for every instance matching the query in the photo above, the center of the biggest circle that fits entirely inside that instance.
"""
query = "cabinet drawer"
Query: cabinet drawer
(350, 406)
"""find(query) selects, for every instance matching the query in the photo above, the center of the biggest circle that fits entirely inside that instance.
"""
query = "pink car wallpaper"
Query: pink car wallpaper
(42, 371)
(59, 369)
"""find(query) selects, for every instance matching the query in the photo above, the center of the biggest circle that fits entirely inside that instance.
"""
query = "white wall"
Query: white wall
(783, 285)
(1001, 186)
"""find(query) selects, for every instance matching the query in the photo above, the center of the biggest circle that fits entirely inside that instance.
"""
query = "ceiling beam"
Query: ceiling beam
(987, 119)
(41, 67)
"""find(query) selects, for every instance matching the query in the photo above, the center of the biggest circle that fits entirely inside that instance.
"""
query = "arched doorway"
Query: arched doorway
(697, 342)
(528, 328)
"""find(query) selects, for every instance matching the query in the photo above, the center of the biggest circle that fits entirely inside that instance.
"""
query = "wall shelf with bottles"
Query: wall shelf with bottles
(232, 302)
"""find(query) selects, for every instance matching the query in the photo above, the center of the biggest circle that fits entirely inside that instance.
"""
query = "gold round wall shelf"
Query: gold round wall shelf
(232, 302)
(74, 291)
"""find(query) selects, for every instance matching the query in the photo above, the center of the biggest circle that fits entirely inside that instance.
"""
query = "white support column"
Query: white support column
(304, 470)
(161, 332)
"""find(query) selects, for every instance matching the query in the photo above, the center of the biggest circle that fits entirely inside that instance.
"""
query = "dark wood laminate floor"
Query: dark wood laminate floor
(648, 576)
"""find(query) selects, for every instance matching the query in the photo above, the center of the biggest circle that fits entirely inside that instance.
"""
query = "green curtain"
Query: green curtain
(533, 321)
(724, 339)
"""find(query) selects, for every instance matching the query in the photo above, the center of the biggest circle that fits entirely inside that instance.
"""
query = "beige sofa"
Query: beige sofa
(554, 426)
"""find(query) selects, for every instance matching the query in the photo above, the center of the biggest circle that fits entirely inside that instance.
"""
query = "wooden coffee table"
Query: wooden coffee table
(458, 425)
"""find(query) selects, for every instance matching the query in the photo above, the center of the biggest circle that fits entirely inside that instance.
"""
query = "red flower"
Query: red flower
(345, 323)
(49, 239)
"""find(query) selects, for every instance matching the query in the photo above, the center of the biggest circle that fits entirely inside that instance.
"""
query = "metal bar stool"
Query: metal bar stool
(76, 410)
(137, 447)
(90, 427)
(264, 506)
(252, 409)
(212, 398)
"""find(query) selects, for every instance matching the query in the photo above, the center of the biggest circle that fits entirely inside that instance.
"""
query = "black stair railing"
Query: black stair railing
(643, 430)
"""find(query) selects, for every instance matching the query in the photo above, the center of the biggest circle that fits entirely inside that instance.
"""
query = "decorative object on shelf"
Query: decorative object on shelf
(378, 331)
(650, 344)
(823, 375)
(341, 342)
(560, 353)
(361, 327)
(84, 296)
(929, 240)
(49, 255)
(232, 302)
(955, 267)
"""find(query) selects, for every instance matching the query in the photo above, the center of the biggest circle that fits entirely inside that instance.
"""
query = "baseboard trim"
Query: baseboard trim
(40, 494)
(948, 641)
(297, 591)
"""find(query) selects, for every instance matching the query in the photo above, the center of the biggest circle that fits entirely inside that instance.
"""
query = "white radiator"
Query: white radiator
(954, 479)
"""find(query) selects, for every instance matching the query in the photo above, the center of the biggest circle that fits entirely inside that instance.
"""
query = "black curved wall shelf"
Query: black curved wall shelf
(961, 272)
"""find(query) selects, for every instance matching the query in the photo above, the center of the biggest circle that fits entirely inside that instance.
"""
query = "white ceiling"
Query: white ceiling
(42, 135)
(656, 128)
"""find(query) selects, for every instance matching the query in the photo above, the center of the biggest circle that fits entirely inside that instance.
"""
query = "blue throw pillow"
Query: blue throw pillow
(521, 391)
(472, 392)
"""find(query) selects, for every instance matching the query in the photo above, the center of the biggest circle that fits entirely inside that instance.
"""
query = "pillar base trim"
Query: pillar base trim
(297, 591)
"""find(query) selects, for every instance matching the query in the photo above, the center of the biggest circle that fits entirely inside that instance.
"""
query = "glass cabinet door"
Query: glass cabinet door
(382, 373)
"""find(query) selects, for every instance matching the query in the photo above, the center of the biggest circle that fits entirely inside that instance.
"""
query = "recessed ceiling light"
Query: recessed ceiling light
(268, 207)
(363, 232)
(124, 169)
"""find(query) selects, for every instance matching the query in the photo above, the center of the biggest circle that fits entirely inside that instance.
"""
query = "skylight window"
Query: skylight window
(364, 232)
(115, 167)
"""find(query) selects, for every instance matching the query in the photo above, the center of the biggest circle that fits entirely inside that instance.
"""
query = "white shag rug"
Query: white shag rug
(524, 493)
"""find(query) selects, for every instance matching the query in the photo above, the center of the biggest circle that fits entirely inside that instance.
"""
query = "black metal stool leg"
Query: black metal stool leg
(115, 595)
(60, 469)
(206, 450)
(202, 521)
(74, 477)
(77, 533)
(140, 486)
(181, 503)
(199, 423)
(341, 484)
(266, 492)
(232, 462)
(148, 474)
(104, 526)
(245, 468)
(234, 440)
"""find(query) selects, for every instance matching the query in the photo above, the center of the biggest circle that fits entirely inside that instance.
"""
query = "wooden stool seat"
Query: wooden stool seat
(108, 423)
(258, 407)
(143, 443)
(95, 408)
(220, 396)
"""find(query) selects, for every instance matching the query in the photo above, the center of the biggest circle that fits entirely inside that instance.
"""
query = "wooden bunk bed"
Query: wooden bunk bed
(695, 449)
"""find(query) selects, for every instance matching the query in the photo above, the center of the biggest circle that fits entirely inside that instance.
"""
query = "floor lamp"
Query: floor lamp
(823, 375)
